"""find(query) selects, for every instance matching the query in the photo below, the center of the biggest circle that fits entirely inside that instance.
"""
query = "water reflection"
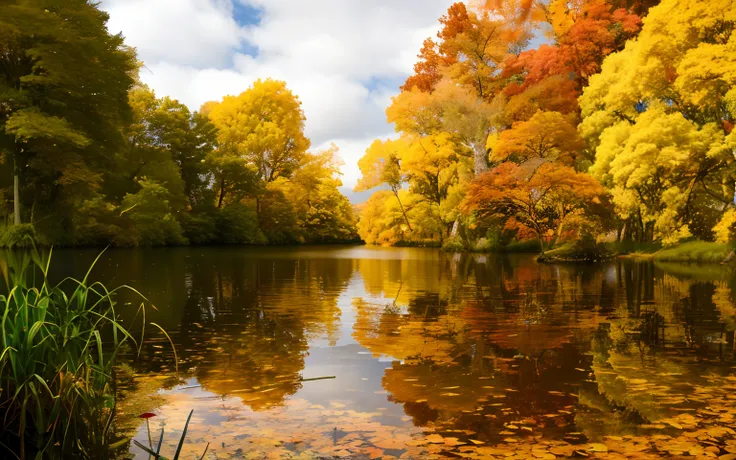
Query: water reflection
(430, 352)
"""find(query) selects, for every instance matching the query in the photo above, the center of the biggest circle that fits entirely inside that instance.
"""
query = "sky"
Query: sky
(345, 59)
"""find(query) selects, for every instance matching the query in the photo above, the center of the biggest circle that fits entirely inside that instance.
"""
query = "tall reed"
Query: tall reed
(57, 361)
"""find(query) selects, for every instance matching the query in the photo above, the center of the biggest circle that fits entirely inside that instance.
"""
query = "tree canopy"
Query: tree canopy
(631, 101)
(93, 156)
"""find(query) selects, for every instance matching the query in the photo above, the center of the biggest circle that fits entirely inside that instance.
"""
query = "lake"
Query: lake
(424, 353)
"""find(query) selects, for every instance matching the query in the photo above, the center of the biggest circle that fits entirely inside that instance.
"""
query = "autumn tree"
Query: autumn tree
(265, 127)
(547, 135)
(589, 30)
(432, 171)
(323, 213)
(381, 165)
(539, 197)
(456, 80)
(658, 116)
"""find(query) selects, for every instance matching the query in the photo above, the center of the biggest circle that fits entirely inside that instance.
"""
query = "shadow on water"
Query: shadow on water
(477, 350)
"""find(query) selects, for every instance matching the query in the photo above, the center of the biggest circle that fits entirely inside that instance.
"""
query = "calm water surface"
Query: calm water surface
(480, 350)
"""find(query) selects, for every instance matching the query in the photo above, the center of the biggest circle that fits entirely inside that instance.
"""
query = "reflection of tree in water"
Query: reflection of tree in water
(649, 362)
(513, 345)
(247, 322)
(481, 343)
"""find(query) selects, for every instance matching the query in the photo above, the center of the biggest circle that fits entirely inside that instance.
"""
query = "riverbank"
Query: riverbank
(702, 252)
(689, 252)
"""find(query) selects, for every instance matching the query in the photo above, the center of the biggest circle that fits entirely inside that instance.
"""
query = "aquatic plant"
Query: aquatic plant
(156, 453)
(59, 345)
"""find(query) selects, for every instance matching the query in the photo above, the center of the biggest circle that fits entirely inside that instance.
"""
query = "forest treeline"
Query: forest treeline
(562, 120)
(524, 120)
(91, 156)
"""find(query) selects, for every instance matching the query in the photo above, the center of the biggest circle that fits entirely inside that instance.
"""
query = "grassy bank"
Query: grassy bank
(485, 246)
(689, 252)
(571, 252)
(694, 251)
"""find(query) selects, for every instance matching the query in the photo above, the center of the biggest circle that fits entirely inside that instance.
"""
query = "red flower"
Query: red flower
(147, 415)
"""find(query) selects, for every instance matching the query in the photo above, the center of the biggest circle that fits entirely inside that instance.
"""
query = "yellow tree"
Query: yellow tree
(265, 126)
(451, 109)
(657, 167)
(657, 116)
(458, 78)
(432, 169)
(380, 165)
(323, 213)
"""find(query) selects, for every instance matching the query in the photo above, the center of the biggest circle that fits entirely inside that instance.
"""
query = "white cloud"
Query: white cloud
(342, 57)
(201, 33)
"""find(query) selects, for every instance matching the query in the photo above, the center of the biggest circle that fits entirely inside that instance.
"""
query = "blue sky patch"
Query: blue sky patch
(246, 15)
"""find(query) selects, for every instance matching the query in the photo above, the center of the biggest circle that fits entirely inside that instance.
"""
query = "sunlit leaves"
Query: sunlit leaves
(547, 135)
(265, 126)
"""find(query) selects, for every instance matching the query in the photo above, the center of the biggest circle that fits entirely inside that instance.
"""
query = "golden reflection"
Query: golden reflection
(433, 354)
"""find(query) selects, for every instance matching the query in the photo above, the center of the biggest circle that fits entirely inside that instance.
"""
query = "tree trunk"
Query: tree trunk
(406, 218)
(222, 193)
(541, 240)
(16, 192)
(480, 159)
(622, 233)
(455, 228)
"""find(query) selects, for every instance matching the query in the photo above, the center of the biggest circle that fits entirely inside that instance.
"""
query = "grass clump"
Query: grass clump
(694, 251)
(454, 244)
(577, 252)
(17, 236)
(58, 349)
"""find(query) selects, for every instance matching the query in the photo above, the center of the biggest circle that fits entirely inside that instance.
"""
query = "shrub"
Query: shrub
(278, 219)
(238, 224)
(199, 227)
(152, 220)
(523, 246)
(97, 223)
(17, 236)
(453, 245)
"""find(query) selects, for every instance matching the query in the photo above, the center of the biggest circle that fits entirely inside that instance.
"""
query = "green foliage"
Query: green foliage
(151, 218)
(578, 251)
(97, 223)
(59, 347)
(200, 225)
(17, 236)
(238, 224)
(695, 251)
(453, 245)
(64, 82)
(100, 159)
(278, 219)
(522, 246)
(634, 247)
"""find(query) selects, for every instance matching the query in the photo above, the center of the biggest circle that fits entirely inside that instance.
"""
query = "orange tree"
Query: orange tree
(537, 196)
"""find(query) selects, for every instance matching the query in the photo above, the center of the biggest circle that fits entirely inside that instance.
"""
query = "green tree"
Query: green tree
(64, 83)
